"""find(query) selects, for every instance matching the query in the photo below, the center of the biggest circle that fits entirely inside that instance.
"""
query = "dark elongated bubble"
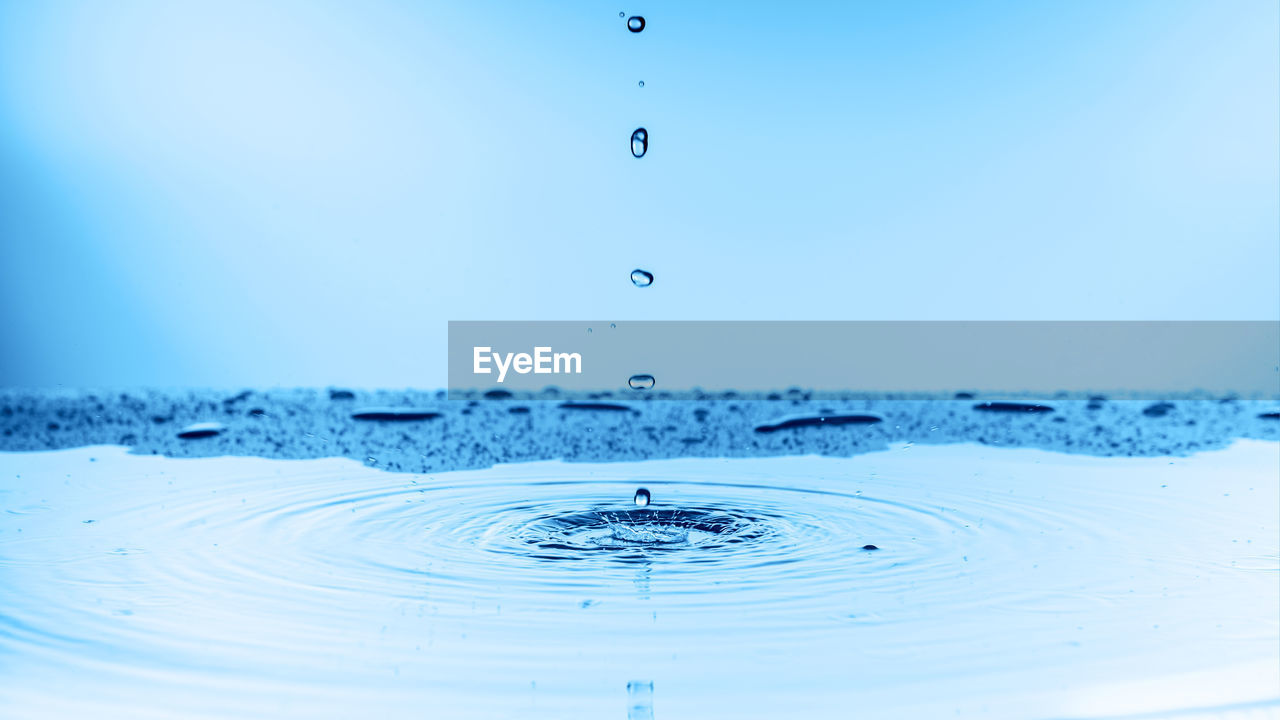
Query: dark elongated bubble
(201, 430)
(642, 497)
(639, 142)
(641, 278)
(804, 422)
(1013, 407)
(635, 23)
(641, 382)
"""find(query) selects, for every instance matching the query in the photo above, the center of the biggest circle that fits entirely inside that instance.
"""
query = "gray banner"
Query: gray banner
(1117, 358)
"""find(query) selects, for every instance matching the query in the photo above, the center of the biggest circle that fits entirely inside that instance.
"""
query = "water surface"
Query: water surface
(1010, 583)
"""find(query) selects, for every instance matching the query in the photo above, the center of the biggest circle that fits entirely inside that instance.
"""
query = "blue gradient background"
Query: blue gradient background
(303, 193)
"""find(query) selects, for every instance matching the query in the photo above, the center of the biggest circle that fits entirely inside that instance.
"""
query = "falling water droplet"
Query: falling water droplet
(613, 325)
(641, 278)
(641, 382)
(639, 142)
(622, 13)
(635, 23)
(642, 497)
(640, 700)
(641, 83)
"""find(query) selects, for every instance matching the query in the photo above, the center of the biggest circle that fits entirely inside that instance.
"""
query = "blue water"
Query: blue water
(1004, 583)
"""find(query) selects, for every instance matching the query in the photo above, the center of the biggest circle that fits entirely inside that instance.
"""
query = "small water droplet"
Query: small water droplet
(639, 142)
(641, 382)
(640, 278)
(641, 83)
(622, 13)
(635, 23)
(642, 497)
(613, 325)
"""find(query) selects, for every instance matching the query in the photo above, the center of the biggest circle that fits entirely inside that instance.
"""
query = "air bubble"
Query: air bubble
(639, 142)
(202, 430)
(641, 83)
(641, 278)
(635, 23)
(642, 497)
(641, 382)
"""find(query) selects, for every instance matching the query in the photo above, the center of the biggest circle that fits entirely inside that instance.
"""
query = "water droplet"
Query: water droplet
(639, 142)
(622, 13)
(642, 497)
(613, 325)
(641, 83)
(641, 382)
(635, 23)
(640, 700)
(640, 278)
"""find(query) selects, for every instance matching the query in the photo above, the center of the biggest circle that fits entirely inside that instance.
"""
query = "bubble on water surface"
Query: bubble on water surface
(642, 497)
(639, 142)
(819, 420)
(394, 414)
(199, 430)
(641, 382)
(605, 407)
(641, 278)
(635, 23)
(1013, 407)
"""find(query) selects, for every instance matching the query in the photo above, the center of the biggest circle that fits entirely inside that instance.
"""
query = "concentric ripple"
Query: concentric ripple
(999, 581)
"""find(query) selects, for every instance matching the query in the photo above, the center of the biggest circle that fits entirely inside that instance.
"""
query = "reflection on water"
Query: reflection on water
(1007, 583)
